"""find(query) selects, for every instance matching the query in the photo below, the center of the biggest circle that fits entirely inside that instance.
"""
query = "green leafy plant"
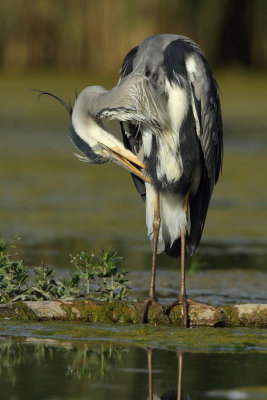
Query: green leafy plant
(114, 283)
(102, 272)
(95, 277)
(13, 274)
(45, 287)
(85, 265)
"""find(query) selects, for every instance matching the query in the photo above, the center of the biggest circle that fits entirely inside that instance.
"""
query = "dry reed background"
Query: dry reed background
(95, 34)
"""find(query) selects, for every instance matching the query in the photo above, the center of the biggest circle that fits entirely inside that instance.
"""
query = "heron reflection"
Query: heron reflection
(170, 394)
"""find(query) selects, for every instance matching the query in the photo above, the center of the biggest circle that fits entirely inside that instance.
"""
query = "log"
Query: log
(248, 315)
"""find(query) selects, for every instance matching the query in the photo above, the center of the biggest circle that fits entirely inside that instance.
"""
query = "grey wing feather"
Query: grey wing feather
(127, 64)
(207, 112)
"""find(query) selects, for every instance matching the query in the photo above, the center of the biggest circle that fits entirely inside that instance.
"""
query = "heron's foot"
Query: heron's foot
(185, 302)
(147, 303)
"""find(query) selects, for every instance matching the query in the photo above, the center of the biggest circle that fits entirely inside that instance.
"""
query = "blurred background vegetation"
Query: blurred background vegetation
(95, 34)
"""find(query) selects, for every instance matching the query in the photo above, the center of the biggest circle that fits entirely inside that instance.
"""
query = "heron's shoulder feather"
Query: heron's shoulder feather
(127, 64)
(207, 112)
(206, 108)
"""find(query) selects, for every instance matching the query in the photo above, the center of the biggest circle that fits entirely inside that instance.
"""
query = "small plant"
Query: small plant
(103, 273)
(45, 287)
(85, 264)
(95, 277)
(13, 274)
(114, 284)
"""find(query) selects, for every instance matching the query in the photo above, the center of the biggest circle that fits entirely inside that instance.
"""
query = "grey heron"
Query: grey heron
(168, 106)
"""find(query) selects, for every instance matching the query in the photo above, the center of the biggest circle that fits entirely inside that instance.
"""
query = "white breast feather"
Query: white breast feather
(147, 142)
(169, 164)
(193, 73)
(173, 217)
(177, 107)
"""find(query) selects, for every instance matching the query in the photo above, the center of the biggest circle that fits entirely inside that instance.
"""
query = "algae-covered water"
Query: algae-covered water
(58, 205)
(100, 361)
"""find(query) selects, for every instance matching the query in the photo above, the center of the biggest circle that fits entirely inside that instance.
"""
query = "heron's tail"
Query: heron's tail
(174, 250)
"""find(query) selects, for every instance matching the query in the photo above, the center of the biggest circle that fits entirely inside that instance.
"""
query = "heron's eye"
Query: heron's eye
(147, 73)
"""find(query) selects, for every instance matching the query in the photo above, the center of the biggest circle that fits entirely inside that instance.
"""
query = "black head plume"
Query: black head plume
(43, 92)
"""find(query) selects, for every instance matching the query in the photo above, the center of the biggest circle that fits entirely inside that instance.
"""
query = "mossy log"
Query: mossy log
(249, 315)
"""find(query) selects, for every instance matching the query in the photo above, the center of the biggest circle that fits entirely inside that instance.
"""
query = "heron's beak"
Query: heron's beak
(127, 159)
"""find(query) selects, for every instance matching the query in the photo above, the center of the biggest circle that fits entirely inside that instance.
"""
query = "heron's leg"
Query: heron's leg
(156, 226)
(183, 258)
(150, 377)
(180, 357)
(182, 298)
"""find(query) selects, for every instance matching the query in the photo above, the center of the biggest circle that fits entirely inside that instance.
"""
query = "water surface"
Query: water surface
(44, 370)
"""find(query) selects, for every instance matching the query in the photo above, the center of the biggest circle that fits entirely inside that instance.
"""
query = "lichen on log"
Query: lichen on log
(249, 315)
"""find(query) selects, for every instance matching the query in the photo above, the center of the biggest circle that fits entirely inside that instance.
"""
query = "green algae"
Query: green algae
(94, 311)
(20, 312)
(247, 315)
(232, 316)
(24, 312)
(156, 336)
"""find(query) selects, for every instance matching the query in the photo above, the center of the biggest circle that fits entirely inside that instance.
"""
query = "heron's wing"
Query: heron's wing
(127, 64)
(207, 113)
(132, 140)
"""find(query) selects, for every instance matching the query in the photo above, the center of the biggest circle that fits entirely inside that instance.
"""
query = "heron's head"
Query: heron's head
(88, 133)
(90, 136)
